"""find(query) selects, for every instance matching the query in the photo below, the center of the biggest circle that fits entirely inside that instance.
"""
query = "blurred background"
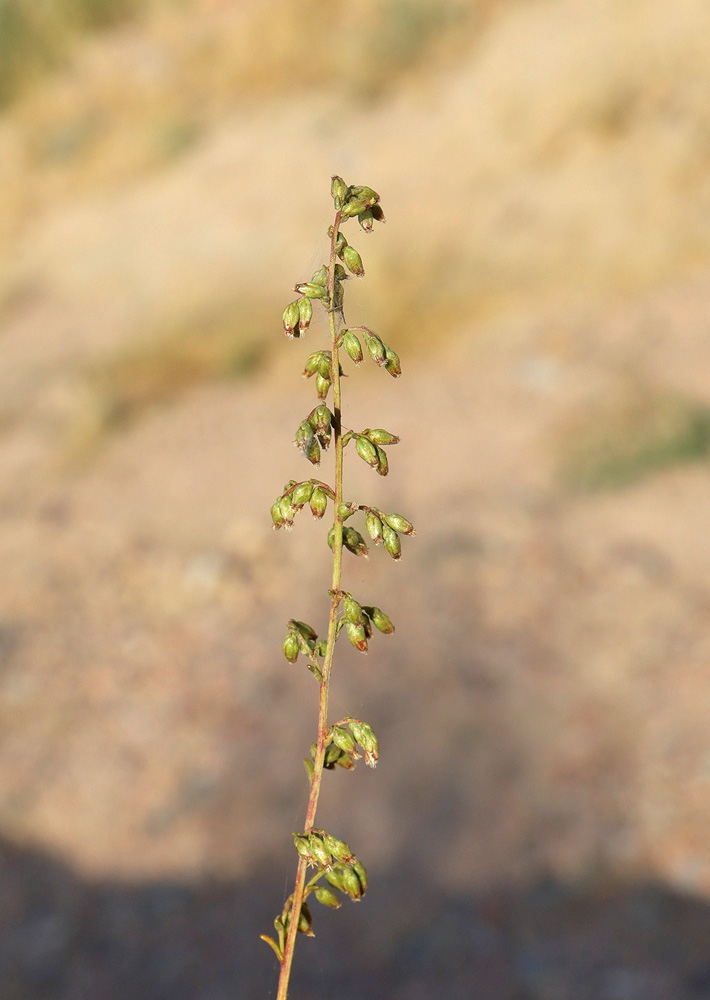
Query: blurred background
(539, 826)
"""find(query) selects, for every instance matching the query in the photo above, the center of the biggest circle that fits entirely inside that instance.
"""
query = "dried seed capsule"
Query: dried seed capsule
(343, 739)
(311, 290)
(290, 318)
(338, 295)
(353, 261)
(365, 220)
(305, 312)
(377, 214)
(304, 436)
(322, 386)
(392, 363)
(320, 277)
(354, 541)
(399, 523)
(338, 191)
(376, 348)
(352, 345)
(356, 635)
(340, 274)
(367, 451)
(301, 494)
(391, 542)
(290, 647)
(374, 527)
(352, 610)
(380, 436)
(380, 620)
(319, 502)
(276, 515)
(327, 897)
(383, 466)
(313, 452)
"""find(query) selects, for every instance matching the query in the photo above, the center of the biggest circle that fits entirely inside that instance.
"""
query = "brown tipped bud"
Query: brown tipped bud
(313, 452)
(351, 884)
(313, 364)
(306, 630)
(354, 541)
(381, 436)
(399, 523)
(319, 502)
(338, 848)
(353, 261)
(276, 515)
(392, 363)
(359, 870)
(304, 436)
(322, 418)
(290, 647)
(343, 739)
(319, 851)
(368, 741)
(311, 290)
(305, 312)
(325, 365)
(327, 897)
(367, 451)
(322, 386)
(346, 510)
(359, 199)
(352, 345)
(374, 527)
(290, 318)
(287, 512)
(338, 191)
(352, 610)
(301, 494)
(356, 635)
(375, 348)
(365, 220)
(383, 466)
(345, 761)
(335, 877)
(391, 542)
(380, 620)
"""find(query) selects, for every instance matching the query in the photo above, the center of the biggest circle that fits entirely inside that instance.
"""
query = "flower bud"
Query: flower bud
(313, 364)
(327, 897)
(332, 756)
(351, 884)
(313, 452)
(352, 610)
(380, 620)
(354, 541)
(276, 515)
(365, 220)
(343, 739)
(340, 241)
(304, 436)
(364, 735)
(301, 494)
(319, 851)
(306, 630)
(322, 386)
(305, 921)
(353, 261)
(392, 363)
(376, 348)
(381, 436)
(346, 510)
(311, 290)
(322, 418)
(290, 318)
(391, 542)
(305, 312)
(290, 647)
(356, 635)
(367, 451)
(319, 502)
(383, 466)
(303, 846)
(359, 870)
(320, 277)
(345, 761)
(338, 191)
(399, 523)
(325, 365)
(352, 345)
(335, 877)
(338, 848)
(374, 527)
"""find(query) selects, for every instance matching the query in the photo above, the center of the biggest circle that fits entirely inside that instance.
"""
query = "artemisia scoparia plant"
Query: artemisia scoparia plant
(326, 863)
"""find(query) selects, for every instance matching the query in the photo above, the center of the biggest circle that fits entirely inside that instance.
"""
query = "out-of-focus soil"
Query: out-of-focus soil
(538, 827)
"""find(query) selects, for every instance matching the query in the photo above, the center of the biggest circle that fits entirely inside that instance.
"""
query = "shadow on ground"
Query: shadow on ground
(66, 938)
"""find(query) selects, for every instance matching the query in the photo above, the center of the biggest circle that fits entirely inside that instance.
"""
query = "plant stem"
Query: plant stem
(332, 622)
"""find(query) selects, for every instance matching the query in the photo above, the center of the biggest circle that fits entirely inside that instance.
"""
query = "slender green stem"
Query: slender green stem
(332, 623)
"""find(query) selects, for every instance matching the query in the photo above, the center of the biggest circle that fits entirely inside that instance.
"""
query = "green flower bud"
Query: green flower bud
(381, 436)
(304, 436)
(367, 451)
(322, 418)
(356, 635)
(359, 199)
(313, 364)
(335, 877)
(359, 870)
(276, 515)
(354, 541)
(303, 846)
(363, 733)
(345, 761)
(375, 347)
(320, 853)
(331, 539)
(321, 647)
(399, 523)
(352, 345)
(333, 754)
(320, 277)
(391, 542)
(290, 647)
(346, 510)
(340, 243)
(306, 630)
(374, 527)
(327, 897)
(305, 921)
(301, 494)
(338, 848)
(308, 764)
(322, 386)
(343, 739)
(351, 884)
(365, 220)
(313, 452)
(380, 620)
(392, 363)
(353, 261)
(305, 312)
(311, 290)
(290, 318)
(325, 366)
(319, 502)
(352, 610)
(383, 466)
(338, 191)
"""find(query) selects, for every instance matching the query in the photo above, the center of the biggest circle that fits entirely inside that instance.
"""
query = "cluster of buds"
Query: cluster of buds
(334, 859)
(358, 619)
(356, 200)
(361, 734)
(313, 433)
(302, 639)
(320, 364)
(386, 528)
(381, 354)
(295, 496)
(369, 445)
